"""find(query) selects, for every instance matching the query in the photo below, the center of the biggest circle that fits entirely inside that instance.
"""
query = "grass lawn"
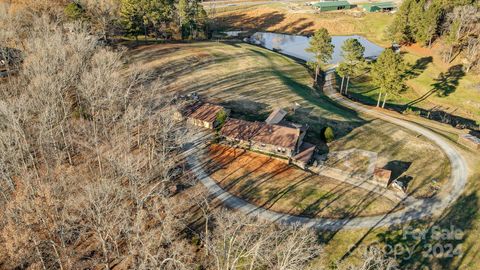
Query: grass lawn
(452, 89)
(431, 84)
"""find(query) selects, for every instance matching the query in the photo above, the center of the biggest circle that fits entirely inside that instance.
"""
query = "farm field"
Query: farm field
(296, 18)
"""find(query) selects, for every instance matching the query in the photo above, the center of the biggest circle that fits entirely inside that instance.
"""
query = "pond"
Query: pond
(295, 46)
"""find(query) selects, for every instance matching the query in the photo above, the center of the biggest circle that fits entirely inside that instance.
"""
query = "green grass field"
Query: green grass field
(428, 87)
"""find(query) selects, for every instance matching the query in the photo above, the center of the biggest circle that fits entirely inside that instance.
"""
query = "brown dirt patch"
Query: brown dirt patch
(274, 185)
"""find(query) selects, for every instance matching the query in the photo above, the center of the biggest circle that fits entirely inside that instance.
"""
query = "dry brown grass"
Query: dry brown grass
(273, 184)
(279, 18)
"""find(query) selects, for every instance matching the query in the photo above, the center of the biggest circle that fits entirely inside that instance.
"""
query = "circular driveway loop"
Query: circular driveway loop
(419, 209)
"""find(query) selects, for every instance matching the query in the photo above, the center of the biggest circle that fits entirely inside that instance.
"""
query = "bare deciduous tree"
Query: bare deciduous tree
(239, 241)
(472, 53)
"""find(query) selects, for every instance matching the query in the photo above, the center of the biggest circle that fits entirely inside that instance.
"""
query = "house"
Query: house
(277, 140)
(262, 137)
(201, 114)
(332, 5)
(380, 6)
(240, 132)
(469, 140)
(275, 136)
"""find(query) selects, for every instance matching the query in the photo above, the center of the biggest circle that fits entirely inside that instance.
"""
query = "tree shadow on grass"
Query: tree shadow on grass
(419, 67)
(435, 244)
(447, 83)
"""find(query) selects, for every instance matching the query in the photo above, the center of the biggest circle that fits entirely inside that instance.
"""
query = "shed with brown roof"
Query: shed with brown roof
(205, 115)
(304, 156)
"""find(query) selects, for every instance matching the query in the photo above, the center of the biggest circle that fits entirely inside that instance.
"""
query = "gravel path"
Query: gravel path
(414, 209)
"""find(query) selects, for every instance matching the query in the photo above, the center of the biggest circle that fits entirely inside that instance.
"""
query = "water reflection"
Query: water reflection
(295, 45)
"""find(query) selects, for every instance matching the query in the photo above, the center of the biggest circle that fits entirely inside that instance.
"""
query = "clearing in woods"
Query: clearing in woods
(252, 81)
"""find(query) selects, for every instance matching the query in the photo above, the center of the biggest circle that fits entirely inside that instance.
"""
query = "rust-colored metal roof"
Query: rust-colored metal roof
(382, 174)
(305, 153)
(277, 135)
(206, 112)
(240, 129)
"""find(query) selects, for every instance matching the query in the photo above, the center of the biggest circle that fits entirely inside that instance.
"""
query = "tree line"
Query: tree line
(455, 23)
(166, 19)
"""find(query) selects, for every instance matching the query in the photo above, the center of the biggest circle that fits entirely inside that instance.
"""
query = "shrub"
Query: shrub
(221, 118)
(74, 11)
(328, 135)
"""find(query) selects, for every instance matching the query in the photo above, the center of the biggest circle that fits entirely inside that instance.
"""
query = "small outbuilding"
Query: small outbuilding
(380, 6)
(382, 176)
(470, 141)
(201, 114)
(305, 154)
(332, 5)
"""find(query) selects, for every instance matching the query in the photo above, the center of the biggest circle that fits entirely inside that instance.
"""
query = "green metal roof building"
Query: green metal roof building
(332, 5)
(380, 6)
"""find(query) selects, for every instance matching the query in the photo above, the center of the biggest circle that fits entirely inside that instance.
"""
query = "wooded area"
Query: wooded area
(455, 23)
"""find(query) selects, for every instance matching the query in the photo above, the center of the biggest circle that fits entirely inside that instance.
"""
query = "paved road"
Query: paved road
(413, 210)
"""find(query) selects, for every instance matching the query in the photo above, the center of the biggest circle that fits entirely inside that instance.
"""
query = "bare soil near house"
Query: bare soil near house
(272, 184)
